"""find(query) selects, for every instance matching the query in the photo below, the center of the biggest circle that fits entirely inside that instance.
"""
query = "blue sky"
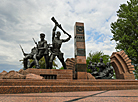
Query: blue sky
(20, 20)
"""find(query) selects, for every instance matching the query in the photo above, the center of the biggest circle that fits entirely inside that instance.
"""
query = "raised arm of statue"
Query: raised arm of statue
(54, 31)
(65, 40)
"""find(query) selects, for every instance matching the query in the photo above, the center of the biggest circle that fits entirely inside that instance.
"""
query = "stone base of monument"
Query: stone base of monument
(13, 86)
(81, 75)
(52, 73)
(56, 80)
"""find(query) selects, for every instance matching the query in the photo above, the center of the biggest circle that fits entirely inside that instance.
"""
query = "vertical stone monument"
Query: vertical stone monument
(80, 54)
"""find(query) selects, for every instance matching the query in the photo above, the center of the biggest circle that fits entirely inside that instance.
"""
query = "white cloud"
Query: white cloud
(20, 20)
(106, 46)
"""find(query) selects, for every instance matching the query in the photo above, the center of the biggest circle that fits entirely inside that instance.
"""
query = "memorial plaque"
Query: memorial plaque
(80, 29)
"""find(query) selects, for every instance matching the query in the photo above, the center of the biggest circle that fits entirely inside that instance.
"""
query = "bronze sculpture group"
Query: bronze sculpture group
(104, 72)
(49, 51)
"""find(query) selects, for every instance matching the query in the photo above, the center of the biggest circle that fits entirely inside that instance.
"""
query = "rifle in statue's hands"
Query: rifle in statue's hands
(59, 25)
(35, 42)
(36, 45)
(22, 50)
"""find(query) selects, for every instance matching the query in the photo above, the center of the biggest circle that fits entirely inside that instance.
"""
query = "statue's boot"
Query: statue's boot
(32, 64)
(64, 64)
(37, 66)
(50, 65)
(24, 68)
(25, 64)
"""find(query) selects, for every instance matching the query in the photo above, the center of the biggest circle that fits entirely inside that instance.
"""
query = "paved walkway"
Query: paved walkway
(86, 96)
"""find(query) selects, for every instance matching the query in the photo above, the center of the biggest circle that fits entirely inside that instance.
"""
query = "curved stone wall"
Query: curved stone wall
(122, 65)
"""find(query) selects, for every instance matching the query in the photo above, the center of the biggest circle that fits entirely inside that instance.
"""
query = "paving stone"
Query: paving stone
(82, 96)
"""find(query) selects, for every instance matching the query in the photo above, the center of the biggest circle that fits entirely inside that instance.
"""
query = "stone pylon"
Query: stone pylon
(80, 52)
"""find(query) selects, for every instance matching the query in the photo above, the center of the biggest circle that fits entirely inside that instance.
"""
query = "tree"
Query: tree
(125, 30)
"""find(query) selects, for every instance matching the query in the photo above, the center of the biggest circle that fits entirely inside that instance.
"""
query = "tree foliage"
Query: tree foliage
(95, 57)
(125, 30)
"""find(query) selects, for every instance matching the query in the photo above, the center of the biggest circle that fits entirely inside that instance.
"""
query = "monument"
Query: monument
(119, 61)
(80, 54)
(34, 80)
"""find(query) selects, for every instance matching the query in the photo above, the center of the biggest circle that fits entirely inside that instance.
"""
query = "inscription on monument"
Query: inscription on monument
(80, 38)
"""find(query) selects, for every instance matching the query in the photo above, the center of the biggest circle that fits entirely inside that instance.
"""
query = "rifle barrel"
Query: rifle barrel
(22, 49)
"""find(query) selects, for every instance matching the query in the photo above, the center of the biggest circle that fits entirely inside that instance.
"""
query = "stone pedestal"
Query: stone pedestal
(81, 75)
(52, 73)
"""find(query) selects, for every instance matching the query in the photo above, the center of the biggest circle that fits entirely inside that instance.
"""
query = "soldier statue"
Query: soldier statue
(56, 45)
(28, 56)
(42, 48)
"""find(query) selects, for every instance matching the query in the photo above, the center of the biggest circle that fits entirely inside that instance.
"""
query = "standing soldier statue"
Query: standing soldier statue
(42, 49)
(56, 44)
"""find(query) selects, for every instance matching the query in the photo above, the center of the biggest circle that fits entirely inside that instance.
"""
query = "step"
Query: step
(62, 88)
(45, 85)
(24, 82)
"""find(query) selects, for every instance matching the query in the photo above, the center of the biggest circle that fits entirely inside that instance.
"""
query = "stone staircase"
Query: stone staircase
(9, 86)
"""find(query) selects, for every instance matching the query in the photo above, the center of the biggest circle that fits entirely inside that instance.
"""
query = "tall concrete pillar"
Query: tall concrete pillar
(80, 52)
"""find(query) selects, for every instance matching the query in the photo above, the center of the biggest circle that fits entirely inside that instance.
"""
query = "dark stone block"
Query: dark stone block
(81, 68)
(80, 38)
(81, 52)
(80, 29)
